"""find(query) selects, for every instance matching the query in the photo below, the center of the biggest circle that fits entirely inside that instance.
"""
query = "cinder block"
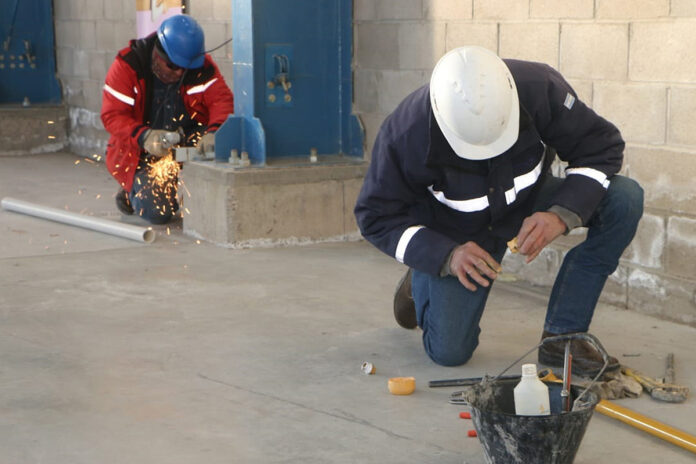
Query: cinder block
(667, 176)
(561, 8)
(202, 10)
(671, 58)
(539, 43)
(377, 46)
(399, 9)
(683, 8)
(594, 51)
(98, 65)
(365, 90)
(420, 45)
(584, 89)
(638, 110)
(615, 290)
(105, 39)
(364, 10)
(81, 63)
(662, 296)
(222, 10)
(88, 35)
(682, 107)
(371, 122)
(540, 272)
(467, 33)
(61, 11)
(630, 9)
(648, 245)
(394, 86)
(123, 33)
(449, 10)
(92, 9)
(93, 94)
(681, 246)
(67, 33)
(113, 10)
(509, 9)
(215, 34)
(64, 61)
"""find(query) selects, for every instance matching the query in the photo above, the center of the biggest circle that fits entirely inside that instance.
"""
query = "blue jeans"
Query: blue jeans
(449, 314)
(154, 201)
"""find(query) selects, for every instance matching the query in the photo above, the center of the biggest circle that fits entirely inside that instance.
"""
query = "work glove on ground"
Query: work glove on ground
(157, 142)
(206, 144)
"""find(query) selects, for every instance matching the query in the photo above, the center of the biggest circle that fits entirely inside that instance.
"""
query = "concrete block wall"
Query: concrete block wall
(633, 61)
(89, 33)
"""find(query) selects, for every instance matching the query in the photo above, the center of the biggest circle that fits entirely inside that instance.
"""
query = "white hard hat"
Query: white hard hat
(475, 103)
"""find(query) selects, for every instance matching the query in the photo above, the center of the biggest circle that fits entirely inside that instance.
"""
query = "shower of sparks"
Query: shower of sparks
(89, 161)
(163, 176)
(188, 194)
(51, 137)
(168, 231)
(51, 122)
(187, 211)
(198, 242)
(98, 196)
(79, 191)
(77, 162)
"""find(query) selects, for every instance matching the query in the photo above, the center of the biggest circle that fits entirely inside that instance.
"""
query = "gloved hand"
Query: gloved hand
(157, 142)
(206, 144)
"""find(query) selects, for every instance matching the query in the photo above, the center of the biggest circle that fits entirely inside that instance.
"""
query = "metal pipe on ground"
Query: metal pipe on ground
(131, 232)
(646, 424)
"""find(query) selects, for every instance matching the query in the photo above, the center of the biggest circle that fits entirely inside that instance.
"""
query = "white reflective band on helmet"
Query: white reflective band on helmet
(404, 240)
(124, 98)
(599, 176)
(465, 206)
(524, 181)
(201, 88)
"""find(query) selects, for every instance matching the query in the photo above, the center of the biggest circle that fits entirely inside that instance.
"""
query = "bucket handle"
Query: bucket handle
(567, 337)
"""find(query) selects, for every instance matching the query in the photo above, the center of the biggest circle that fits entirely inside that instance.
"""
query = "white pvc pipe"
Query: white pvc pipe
(140, 234)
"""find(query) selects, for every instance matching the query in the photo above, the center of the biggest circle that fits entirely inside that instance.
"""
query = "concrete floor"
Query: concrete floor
(113, 351)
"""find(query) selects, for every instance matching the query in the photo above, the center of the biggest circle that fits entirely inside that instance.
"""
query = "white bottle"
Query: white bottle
(531, 394)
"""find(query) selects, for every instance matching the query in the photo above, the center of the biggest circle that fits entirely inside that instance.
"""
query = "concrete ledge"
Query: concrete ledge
(288, 202)
(33, 129)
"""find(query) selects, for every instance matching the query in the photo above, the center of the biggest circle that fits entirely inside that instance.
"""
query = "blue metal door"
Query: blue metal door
(292, 81)
(27, 52)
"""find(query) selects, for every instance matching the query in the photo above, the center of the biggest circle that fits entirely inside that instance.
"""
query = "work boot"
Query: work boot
(123, 202)
(404, 306)
(587, 361)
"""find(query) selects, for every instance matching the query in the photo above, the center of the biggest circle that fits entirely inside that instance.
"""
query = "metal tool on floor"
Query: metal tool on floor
(662, 390)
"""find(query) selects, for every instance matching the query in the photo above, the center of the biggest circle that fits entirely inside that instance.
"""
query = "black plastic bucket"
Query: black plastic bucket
(511, 439)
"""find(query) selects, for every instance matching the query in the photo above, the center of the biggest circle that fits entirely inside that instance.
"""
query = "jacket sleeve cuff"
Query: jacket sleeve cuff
(425, 250)
(570, 219)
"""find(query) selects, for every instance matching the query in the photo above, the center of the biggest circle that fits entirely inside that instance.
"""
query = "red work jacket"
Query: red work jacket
(127, 100)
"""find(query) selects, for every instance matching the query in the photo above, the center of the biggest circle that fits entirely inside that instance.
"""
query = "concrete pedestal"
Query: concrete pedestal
(289, 201)
(33, 129)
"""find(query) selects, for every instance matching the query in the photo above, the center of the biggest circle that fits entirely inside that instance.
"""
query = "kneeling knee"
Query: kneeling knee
(450, 356)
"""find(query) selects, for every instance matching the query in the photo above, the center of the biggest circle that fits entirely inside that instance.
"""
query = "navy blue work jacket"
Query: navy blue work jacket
(419, 199)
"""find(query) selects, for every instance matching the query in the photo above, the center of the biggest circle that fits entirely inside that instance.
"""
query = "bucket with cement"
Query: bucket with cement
(511, 439)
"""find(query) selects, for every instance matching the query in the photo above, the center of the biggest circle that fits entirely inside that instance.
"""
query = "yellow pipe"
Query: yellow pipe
(646, 424)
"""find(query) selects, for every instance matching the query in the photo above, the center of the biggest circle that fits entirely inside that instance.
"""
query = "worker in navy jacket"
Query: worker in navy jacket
(461, 167)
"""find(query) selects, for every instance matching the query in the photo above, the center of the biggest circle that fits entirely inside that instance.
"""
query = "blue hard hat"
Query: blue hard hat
(183, 41)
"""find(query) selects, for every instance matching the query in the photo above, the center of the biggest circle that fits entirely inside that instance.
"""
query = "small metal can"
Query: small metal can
(367, 368)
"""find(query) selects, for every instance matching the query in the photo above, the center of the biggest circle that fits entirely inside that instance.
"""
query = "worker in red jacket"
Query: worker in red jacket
(160, 91)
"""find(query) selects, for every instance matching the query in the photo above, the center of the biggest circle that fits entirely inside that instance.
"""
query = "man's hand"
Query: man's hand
(470, 261)
(206, 144)
(157, 142)
(537, 231)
